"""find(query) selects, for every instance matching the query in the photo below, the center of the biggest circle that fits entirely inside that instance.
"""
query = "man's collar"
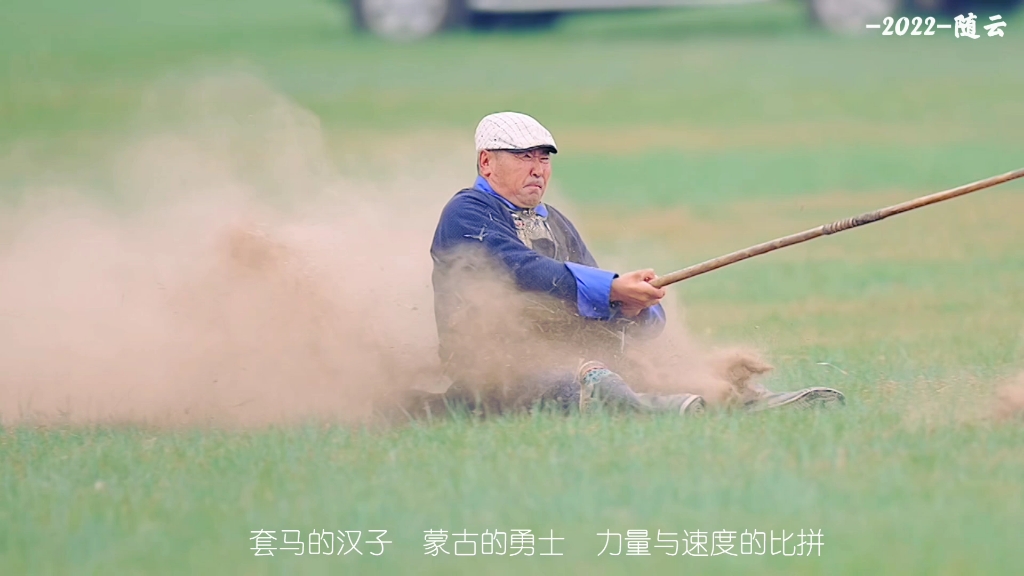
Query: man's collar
(483, 185)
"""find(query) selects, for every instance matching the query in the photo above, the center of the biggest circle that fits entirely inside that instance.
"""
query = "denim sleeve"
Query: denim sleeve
(593, 290)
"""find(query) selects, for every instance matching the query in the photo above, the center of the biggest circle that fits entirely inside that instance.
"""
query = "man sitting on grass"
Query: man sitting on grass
(524, 314)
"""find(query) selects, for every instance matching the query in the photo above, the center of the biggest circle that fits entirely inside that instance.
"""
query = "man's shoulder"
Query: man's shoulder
(470, 209)
(469, 197)
(470, 203)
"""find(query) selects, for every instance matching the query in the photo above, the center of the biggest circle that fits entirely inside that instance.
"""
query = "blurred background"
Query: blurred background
(708, 90)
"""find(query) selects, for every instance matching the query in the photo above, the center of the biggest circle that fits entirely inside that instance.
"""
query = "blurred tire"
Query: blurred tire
(850, 16)
(405, 20)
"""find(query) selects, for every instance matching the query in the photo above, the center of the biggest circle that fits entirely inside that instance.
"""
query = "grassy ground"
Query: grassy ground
(680, 141)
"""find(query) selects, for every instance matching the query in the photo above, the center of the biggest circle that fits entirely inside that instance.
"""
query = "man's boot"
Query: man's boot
(600, 385)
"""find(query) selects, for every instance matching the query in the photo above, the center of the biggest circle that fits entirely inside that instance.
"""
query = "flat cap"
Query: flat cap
(512, 131)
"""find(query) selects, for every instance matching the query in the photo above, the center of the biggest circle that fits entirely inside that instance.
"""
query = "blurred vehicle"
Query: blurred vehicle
(412, 19)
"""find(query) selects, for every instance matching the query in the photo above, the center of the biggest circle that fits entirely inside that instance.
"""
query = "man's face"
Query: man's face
(521, 177)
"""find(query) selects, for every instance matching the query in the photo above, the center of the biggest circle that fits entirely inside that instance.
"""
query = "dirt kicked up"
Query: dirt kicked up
(199, 295)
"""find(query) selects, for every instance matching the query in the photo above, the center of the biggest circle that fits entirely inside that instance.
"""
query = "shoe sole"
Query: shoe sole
(693, 406)
(806, 399)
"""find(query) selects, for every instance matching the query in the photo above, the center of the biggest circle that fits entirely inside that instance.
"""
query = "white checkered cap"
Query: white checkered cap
(512, 131)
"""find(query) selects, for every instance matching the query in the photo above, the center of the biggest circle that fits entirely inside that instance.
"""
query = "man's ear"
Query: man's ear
(485, 163)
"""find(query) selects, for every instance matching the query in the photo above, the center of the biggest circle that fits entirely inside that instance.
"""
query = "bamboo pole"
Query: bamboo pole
(832, 228)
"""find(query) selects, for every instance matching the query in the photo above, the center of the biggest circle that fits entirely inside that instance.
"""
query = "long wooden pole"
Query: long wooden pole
(832, 228)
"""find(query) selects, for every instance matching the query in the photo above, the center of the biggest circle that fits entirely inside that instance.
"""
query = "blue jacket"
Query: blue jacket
(478, 218)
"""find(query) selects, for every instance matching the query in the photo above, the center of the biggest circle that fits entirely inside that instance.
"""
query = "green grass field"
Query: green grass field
(684, 135)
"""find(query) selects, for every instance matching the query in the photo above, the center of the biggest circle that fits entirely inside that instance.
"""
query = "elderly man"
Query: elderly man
(504, 223)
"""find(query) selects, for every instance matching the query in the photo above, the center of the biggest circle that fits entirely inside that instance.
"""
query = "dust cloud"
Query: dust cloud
(226, 273)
